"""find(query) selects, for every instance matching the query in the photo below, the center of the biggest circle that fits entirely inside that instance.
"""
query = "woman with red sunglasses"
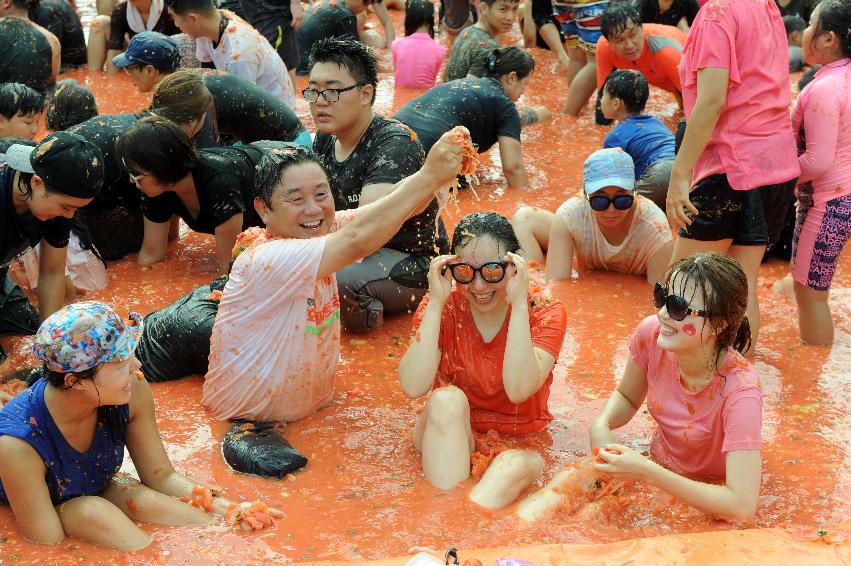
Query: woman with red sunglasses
(483, 350)
(609, 227)
(705, 397)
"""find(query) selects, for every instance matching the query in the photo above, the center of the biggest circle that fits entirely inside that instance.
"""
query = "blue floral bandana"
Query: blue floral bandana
(84, 335)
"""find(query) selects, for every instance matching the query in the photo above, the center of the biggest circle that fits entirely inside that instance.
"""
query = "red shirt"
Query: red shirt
(475, 366)
(659, 61)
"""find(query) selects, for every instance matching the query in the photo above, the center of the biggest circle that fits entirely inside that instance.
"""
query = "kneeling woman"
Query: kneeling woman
(486, 350)
(704, 396)
(62, 441)
(485, 107)
(212, 190)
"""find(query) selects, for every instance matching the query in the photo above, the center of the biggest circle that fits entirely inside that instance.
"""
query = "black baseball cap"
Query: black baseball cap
(150, 48)
(66, 162)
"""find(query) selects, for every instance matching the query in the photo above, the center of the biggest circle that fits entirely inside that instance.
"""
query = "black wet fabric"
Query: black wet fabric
(20, 233)
(224, 183)
(59, 18)
(273, 19)
(651, 14)
(480, 105)
(26, 55)
(175, 341)
(245, 112)
(120, 32)
(115, 232)
(324, 19)
(17, 315)
(256, 448)
(387, 153)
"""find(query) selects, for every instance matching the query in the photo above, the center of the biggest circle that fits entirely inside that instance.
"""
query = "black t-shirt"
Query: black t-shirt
(650, 13)
(119, 29)
(20, 233)
(224, 182)
(248, 113)
(59, 18)
(324, 20)
(386, 153)
(27, 57)
(480, 105)
(267, 15)
(103, 131)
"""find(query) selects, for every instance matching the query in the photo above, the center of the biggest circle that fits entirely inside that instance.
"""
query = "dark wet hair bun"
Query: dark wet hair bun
(481, 224)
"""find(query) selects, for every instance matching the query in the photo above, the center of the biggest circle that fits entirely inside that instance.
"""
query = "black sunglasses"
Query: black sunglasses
(601, 203)
(491, 272)
(677, 307)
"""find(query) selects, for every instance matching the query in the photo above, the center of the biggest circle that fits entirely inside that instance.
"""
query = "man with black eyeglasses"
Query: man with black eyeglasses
(365, 155)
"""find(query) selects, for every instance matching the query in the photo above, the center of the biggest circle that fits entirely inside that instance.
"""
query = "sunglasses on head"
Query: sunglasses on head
(601, 203)
(677, 307)
(491, 272)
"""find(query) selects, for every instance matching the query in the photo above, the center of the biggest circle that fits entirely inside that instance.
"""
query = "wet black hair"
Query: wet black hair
(156, 146)
(349, 54)
(183, 7)
(182, 97)
(793, 22)
(505, 60)
(808, 77)
(72, 103)
(19, 99)
(480, 224)
(835, 16)
(274, 164)
(616, 18)
(22, 4)
(419, 13)
(629, 86)
(107, 415)
(723, 285)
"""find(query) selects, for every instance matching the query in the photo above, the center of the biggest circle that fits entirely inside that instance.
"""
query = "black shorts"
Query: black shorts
(283, 39)
(749, 218)
(17, 315)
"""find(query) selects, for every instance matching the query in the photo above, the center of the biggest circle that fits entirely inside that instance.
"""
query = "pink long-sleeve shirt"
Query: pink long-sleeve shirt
(824, 109)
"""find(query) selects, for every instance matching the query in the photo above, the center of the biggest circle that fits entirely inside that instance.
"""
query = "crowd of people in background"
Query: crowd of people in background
(318, 232)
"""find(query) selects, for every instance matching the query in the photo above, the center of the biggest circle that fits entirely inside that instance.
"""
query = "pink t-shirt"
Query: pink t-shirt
(276, 338)
(416, 60)
(695, 430)
(753, 141)
(824, 109)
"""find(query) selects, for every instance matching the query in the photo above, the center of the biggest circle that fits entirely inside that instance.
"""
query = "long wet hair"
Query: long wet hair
(419, 13)
(182, 97)
(485, 224)
(505, 60)
(107, 415)
(72, 104)
(722, 284)
(275, 163)
(835, 16)
(156, 146)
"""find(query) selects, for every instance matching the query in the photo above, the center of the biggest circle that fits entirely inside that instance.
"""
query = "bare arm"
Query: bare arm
(22, 473)
(376, 224)
(226, 234)
(511, 155)
(658, 262)
(524, 367)
(712, 86)
(371, 193)
(560, 252)
(622, 405)
(149, 455)
(154, 242)
(51, 279)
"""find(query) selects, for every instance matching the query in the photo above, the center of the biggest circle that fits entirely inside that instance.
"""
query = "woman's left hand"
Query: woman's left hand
(517, 289)
(621, 462)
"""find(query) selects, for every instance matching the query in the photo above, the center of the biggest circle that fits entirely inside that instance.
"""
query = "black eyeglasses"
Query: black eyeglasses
(677, 307)
(311, 95)
(491, 272)
(621, 202)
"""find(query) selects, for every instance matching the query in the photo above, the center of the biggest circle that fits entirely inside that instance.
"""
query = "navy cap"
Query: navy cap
(150, 48)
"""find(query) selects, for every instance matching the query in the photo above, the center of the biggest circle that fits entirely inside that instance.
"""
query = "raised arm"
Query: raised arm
(376, 224)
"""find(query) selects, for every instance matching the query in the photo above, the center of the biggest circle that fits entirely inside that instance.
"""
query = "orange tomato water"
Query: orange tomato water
(363, 495)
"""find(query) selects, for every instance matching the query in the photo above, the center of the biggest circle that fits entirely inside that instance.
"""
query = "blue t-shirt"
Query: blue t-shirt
(69, 473)
(645, 139)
